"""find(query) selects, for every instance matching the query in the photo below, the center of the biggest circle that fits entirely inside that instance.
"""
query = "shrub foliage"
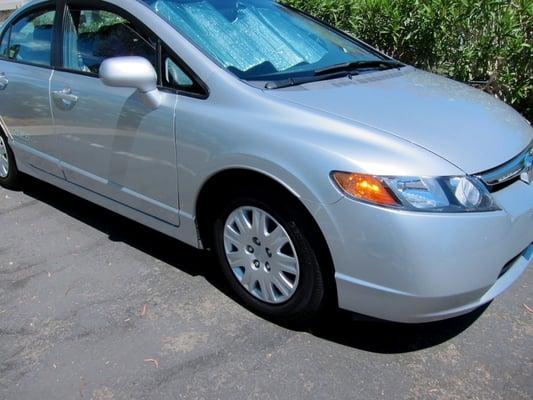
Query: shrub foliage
(484, 42)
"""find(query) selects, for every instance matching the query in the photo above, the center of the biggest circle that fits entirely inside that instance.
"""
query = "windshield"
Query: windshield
(260, 40)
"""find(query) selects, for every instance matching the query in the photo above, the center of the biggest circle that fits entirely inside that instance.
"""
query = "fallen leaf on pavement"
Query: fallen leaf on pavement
(144, 309)
(153, 361)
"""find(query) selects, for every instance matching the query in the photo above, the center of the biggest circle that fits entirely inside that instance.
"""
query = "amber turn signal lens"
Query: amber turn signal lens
(365, 187)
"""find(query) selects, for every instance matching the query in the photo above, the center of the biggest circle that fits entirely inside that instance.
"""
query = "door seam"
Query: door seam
(50, 101)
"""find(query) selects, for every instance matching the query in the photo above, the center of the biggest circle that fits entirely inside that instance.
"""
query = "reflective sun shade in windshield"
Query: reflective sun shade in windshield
(259, 39)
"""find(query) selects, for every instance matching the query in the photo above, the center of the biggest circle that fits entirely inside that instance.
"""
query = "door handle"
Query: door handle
(3, 81)
(66, 98)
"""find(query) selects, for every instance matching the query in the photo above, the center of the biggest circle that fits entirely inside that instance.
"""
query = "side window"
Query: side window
(30, 38)
(175, 77)
(91, 36)
(5, 42)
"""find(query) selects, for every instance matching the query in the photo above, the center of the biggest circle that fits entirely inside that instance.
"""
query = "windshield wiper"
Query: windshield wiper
(301, 80)
(355, 65)
(335, 71)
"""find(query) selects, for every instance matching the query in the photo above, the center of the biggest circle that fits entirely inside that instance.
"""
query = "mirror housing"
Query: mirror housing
(132, 72)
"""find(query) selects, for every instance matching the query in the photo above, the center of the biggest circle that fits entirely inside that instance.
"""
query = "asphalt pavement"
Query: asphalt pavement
(94, 306)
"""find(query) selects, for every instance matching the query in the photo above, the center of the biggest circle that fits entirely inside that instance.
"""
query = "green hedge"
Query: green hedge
(484, 42)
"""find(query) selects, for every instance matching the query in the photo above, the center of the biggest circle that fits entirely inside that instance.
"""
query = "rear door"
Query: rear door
(25, 71)
(110, 142)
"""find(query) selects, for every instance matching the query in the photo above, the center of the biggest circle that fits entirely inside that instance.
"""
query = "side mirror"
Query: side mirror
(132, 72)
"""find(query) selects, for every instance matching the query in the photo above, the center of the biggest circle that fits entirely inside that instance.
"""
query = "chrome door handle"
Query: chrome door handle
(65, 97)
(3, 81)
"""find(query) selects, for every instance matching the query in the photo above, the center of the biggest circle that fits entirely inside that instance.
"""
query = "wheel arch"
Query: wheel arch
(221, 183)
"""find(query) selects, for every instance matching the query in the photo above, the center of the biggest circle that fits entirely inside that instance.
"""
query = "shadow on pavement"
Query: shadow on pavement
(390, 337)
(341, 327)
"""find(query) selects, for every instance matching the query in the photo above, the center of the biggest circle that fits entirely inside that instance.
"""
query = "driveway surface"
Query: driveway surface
(93, 306)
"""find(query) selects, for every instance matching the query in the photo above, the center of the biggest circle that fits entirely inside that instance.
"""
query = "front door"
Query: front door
(110, 142)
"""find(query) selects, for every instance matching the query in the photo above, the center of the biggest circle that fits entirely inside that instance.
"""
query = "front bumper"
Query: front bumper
(419, 267)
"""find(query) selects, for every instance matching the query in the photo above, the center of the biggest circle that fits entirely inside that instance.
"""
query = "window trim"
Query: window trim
(48, 5)
(166, 51)
(96, 6)
(139, 26)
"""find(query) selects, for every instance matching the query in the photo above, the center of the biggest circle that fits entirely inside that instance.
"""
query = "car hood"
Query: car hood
(467, 127)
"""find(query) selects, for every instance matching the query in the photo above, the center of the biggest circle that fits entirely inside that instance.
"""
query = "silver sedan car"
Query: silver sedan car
(320, 171)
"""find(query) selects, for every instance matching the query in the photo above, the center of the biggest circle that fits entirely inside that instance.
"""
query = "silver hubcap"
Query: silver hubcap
(261, 255)
(4, 160)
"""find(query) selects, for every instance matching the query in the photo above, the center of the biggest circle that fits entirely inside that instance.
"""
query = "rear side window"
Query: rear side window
(30, 39)
(91, 36)
(4, 43)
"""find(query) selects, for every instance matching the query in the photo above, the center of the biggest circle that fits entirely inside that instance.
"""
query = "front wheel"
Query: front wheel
(268, 260)
(9, 174)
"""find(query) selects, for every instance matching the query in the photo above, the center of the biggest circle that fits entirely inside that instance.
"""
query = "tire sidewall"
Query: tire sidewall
(309, 294)
(11, 178)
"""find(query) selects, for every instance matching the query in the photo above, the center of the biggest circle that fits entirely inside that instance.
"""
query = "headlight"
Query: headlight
(442, 194)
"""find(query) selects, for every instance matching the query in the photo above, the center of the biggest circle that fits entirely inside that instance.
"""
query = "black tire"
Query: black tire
(12, 180)
(309, 298)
